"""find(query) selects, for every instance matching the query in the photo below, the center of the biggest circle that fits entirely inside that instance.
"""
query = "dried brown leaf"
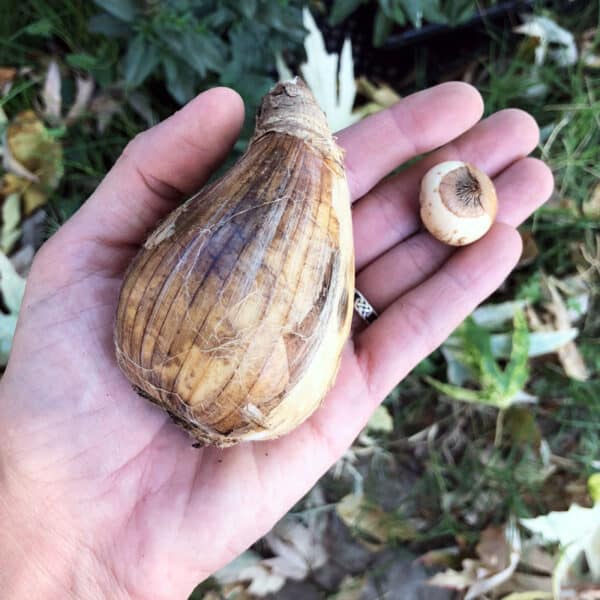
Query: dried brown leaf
(493, 548)
(569, 354)
(33, 194)
(31, 146)
(7, 76)
(382, 94)
(456, 580)
(530, 249)
(105, 107)
(589, 54)
(442, 557)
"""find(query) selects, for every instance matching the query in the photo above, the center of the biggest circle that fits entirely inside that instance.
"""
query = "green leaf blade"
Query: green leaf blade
(125, 10)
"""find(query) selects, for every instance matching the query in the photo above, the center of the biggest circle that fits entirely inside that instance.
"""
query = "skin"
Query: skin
(100, 495)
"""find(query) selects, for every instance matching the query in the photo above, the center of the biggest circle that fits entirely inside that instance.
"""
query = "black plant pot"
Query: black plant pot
(440, 49)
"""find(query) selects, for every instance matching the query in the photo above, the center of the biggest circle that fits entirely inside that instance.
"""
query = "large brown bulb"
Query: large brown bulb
(233, 315)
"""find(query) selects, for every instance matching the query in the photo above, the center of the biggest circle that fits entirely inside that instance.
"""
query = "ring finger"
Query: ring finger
(521, 189)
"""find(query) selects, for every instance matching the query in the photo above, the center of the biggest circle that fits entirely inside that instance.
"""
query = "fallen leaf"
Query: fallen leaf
(7, 76)
(455, 580)
(30, 145)
(577, 531)
(262, 580)
(537, 559)
(499, 550)
(568, 354)
(83, 97)
(34, 197)
(235, 591)
(591, 206)
(33, 194)
(298, 549)
(12, 285)
(524, 582)
(51, 96)
(247, 568)
(375, 526)
(351, 588)
(552, 40)
(530, 249)
(105, 107)
(21, 259)
(11, 217)
(381, 421)
(8, 324)
(493, 549)
(502, 547)
(441, 557)
(593, 484)
(535, 595)
(588, 49)
(382, 95)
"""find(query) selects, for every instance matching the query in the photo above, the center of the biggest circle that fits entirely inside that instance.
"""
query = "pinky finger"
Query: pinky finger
(420, 320)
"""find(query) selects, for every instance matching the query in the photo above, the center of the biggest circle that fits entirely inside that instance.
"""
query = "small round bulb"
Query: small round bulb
(458, 202)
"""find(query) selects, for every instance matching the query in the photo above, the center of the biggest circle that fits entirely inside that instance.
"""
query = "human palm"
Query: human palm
(101, 476)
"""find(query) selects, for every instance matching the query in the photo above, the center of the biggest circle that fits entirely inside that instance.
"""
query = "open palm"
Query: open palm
(100, 490)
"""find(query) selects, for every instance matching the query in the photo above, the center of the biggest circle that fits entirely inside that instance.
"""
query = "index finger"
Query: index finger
(417, 124)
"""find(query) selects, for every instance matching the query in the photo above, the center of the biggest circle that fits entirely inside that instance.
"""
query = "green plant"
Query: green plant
(391, 13)
(499, 387)
(195, 44)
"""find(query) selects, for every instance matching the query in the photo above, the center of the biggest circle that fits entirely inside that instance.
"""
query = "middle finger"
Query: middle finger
(389, 213)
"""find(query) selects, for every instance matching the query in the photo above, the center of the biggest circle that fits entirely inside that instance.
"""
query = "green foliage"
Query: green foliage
(195, 44)
(498, 387)
(483, 484)
(391, 13)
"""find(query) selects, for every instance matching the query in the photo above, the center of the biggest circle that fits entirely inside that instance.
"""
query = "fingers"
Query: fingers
(420, 320)
(159, 167)
(522, 188)
(389, 213)
(417, 124)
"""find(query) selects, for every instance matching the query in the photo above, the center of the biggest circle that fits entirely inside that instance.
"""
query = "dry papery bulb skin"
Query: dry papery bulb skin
(458, 202)
(233, 315)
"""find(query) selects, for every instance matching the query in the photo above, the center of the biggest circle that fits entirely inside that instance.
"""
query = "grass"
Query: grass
(461, 479)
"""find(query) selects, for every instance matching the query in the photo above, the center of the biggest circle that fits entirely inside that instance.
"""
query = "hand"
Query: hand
(99, 491)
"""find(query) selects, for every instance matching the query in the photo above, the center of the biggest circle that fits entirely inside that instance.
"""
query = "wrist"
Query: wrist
(40, 557)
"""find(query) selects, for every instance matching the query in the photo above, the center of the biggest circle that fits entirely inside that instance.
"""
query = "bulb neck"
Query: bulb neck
(290, 108)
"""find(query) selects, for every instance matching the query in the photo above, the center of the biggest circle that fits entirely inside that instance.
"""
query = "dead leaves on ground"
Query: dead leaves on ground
(560, 561)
